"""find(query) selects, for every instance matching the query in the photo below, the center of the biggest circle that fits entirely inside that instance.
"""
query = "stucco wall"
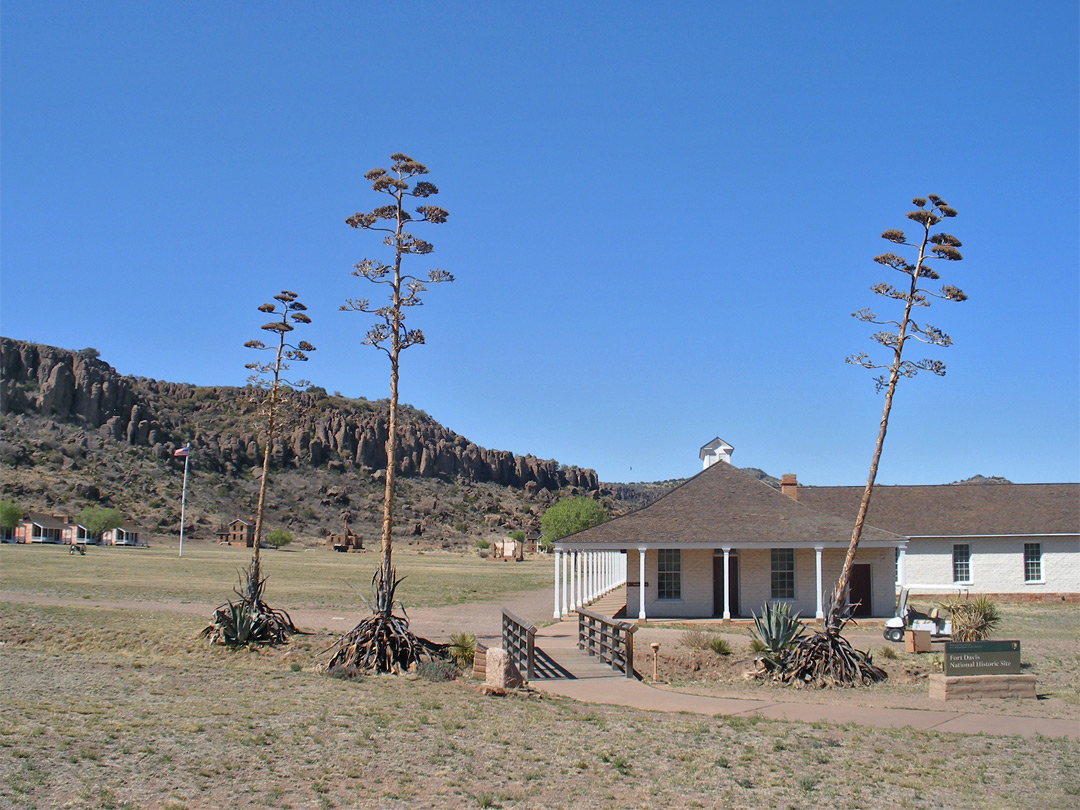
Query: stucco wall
(755, 581)
(997, 563)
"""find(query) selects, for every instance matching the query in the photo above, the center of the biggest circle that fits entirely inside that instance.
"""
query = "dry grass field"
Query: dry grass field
(314, 578)
(127, 708)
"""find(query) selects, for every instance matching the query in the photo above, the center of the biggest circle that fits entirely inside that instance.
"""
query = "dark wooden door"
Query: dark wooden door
(859, 590)
(733, 585)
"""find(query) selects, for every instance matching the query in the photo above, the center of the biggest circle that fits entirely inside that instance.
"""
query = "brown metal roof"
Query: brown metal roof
(958, 509)
(723, 506)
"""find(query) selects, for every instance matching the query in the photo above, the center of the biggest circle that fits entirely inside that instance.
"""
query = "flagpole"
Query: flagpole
(183, 501)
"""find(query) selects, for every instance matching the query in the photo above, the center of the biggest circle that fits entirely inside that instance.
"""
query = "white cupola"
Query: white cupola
(714, 451)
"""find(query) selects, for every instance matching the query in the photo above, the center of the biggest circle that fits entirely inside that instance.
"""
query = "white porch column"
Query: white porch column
(641, 585)
(558, 562)
(901, 566)
(818, 613)
(590, 564)
(572, 562)
(727, 584)
(566, 582)
(579, 560)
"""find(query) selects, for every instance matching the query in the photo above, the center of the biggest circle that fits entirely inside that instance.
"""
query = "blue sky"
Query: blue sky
(661, 217)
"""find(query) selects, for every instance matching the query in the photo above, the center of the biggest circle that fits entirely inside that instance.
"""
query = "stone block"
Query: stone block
(501, 672)
(952, 687)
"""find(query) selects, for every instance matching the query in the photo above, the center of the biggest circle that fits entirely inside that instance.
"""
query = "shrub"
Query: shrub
(887, 652)
(720, 646)
(437, 670)
(518, 535)
(973, 619)
(481, 544)
(278, 538)
(695, 639)
(349, 673)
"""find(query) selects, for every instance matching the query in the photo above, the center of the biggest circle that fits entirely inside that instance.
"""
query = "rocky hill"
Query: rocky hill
(74, 433)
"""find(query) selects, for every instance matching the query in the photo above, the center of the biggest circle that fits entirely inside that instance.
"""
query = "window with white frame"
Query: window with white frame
(961, 562)
(668, 573)
(1033, 562)
(783, 573)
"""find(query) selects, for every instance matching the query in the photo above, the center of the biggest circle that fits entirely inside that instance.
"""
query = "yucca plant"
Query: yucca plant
(720, 646)
(777, 629)
(462, 649)
(973, 619)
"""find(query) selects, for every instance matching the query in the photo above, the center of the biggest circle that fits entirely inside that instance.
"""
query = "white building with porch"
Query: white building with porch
(721, 545)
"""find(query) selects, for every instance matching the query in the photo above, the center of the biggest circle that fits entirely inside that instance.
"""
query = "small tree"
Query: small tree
(571, 515)
(89, 353)
(387, 645)
(98, 520)
(10, 515)
(895, 335)
(278, 538)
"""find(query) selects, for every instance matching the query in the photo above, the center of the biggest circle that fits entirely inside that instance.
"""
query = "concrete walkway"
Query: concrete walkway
(583, 678)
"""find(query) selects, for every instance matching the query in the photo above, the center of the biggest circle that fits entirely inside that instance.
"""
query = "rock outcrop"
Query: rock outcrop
(71, 388)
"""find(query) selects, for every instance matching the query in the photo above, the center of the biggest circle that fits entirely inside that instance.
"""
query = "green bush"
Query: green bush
(518, 535)
(482, 544)
(277, 539)
(571, 515)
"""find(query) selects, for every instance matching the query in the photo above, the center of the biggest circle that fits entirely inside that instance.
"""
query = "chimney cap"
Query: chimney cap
(788, 478)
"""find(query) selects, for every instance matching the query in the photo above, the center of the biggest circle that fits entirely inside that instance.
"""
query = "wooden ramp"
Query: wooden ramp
(557, 653)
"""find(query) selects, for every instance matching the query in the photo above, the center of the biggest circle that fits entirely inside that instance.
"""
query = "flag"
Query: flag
(181, 452)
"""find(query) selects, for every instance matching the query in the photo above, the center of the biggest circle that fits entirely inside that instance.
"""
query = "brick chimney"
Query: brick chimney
(789, 485)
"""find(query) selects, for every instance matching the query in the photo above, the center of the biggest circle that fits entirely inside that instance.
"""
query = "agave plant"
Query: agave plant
(250, 620)
(777, 630)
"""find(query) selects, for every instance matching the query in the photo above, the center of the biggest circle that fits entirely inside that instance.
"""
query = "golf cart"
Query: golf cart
(907, 618)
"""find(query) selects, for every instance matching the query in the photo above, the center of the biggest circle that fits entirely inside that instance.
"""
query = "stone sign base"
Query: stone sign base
(953, 687)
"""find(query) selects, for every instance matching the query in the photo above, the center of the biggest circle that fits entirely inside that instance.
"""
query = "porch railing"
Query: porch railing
(519, 641)
(607, 639)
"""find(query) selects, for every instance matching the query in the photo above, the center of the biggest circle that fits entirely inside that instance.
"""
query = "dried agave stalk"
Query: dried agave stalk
(825, 658)
(382, 642)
